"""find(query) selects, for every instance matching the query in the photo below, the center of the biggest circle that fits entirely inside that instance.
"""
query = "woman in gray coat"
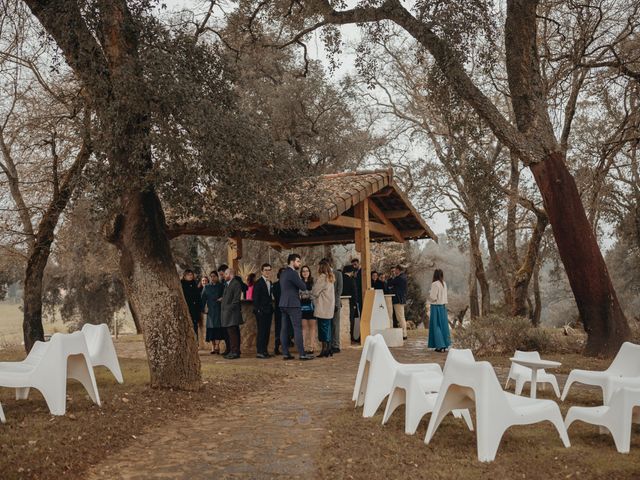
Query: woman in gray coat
(325, 300)
(231, 311)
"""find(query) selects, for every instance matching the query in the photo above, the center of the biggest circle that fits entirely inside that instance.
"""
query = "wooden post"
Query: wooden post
(234, 252)
(363, 243)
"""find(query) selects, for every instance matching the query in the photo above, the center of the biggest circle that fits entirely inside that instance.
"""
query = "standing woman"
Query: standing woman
(251, 281)
(202, 322)
(211, 298)
(325, 300)
(439, 337)
(308, 318)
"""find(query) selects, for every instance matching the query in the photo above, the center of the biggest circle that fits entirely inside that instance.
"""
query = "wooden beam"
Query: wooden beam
(395, 233)
(413, 233)
(323, 240)
(234, 252)
(393, 214)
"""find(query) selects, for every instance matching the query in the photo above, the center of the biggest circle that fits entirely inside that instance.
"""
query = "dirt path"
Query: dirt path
(272, 433)
(268, 434)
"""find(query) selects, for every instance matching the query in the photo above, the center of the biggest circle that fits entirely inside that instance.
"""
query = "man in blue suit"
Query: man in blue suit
(290, 287)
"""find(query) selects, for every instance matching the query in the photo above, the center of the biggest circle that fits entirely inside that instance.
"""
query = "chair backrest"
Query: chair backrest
(95, 336)
(382, 362)
(477, 379)
(627, 361)
(365, 359)
(523, 356)
(50, 358)
(459, 354)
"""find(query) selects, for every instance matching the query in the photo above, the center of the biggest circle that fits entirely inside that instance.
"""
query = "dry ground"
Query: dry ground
(275, 419)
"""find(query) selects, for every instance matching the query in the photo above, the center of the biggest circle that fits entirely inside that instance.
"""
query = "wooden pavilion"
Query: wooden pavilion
(355, 207)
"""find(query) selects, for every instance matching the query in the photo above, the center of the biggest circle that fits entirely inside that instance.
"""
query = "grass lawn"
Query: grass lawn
(35, 444)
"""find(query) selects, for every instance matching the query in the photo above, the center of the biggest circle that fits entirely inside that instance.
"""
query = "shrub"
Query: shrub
(493, 334)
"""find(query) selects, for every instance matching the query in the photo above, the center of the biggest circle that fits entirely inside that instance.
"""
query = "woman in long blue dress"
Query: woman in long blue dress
(439, 337)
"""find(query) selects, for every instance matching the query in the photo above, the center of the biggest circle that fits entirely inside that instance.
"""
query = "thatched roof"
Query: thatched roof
(334, 222)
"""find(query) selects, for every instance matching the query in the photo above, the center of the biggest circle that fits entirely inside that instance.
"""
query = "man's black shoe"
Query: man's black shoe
(288, 357)
(262, 355)
(232, 356)
(335, 350)
(306, 357)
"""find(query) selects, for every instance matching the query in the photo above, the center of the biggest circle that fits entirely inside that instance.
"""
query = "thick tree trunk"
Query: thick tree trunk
(481, 275)
(600, 312)
(523, 275)
(154, 292)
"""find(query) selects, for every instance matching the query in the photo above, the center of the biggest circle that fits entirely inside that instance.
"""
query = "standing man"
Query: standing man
(263, 309)
(290, 287)
(221, 269)
(231, 312)
(398, 286)
(335, 322)
(349, 290)
(278, 313)
(357, 276)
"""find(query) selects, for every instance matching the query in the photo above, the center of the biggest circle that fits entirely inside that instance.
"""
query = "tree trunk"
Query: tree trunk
(537, 311)
(136, 320)
(39, 253)
(512, 210)
(474, 243)
(498, 265)
(523, 275)
(600, 312)
(474, 305)
(154, 292)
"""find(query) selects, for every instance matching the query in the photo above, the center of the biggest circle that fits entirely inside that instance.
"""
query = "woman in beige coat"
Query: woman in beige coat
(325, 301)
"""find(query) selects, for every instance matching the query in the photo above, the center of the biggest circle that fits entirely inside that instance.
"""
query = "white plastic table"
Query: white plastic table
(535, 365)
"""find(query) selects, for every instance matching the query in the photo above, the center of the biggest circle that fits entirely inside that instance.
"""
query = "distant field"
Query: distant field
(11, 324)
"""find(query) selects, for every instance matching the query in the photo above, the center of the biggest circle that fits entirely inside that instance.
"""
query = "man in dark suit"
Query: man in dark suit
(221, 269)
(263, 309)
(290, 287)
(231, 312)
(357, 276)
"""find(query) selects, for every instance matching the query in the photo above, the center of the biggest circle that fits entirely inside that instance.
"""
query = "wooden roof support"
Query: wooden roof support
(234, 252)
(393, 214)
(395, 233)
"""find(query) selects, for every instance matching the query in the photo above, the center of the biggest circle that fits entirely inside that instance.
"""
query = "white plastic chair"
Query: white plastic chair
(375, 378)
(419, 391)
(626, 364)
(360, 387)
(101, 349)
(616, 417)
(522, 374)
(47, 368)
(467, 384)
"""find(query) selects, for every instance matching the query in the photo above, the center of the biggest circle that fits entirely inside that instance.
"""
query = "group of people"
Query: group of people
(306, 307)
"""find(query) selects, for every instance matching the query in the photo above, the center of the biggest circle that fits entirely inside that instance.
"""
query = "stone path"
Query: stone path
(272, 433)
